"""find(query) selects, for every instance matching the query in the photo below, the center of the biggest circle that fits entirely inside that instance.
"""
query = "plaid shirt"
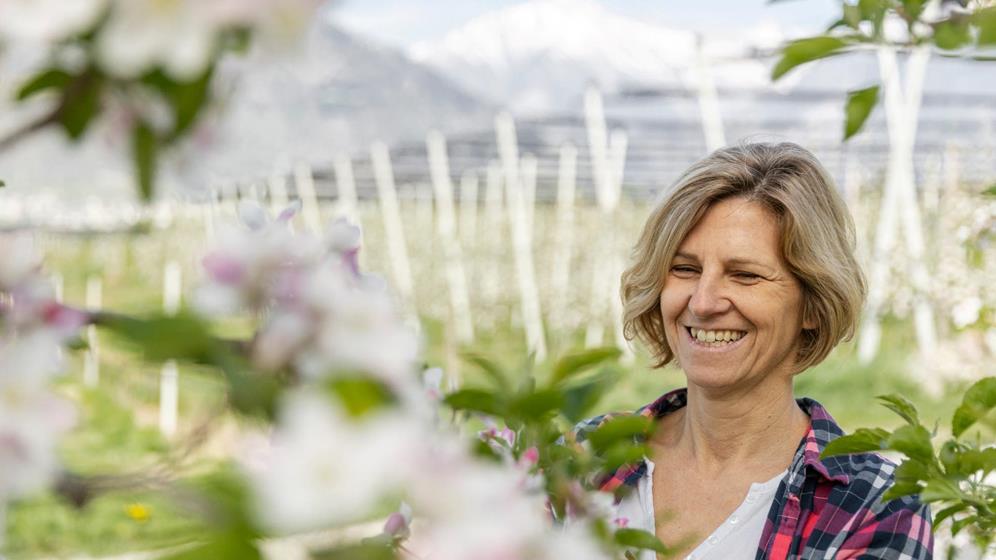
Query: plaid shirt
(830, 508)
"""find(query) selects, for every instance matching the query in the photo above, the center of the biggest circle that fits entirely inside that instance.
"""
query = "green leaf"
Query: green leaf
(80, 104)
(860, 104)
(360, 395)
(913, 8)
(163, 337)
(627, 428)
(219, 546)
(912, 470)
(806, 50)
(948, 512)
(573, 364)
(223, 502)
(2, 184)
(985, 21)
(914, 442)
(490, 368)
(252, 395)
(951, 35)
(960, 524)
(476, 400)
(580, 399)
(901, 406)
(991, 191)
(971, 461)
(978, 401)
(145, 150)
(939, 489)
(900, 489)
(862, 440)
(637, 538)
(874, 11)
(355, 552)
(950, 456)
(188, 99)
(621, 453)
(535, 406)
(52, 78)
(851, 14)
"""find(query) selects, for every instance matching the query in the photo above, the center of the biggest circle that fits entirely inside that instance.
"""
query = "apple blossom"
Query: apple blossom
(326, 468)
(47, 20)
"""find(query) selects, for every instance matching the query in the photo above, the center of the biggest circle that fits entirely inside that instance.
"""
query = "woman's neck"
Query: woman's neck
(722, 431)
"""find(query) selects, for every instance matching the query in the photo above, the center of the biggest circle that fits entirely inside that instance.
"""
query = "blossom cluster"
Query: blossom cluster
(319, 314)
(33, 330)
(325, 465)
(180, 36)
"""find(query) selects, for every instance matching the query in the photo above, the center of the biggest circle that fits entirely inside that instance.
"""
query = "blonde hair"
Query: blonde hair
(817, 241)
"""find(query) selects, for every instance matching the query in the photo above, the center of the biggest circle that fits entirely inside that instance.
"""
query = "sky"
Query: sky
(402, 23)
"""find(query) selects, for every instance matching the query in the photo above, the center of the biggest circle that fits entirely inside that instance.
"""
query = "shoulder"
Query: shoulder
(580, 432)
(664, 405)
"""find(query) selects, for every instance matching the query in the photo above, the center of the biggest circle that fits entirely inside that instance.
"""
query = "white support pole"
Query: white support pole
(564, 240)
(91, 361)
(304, 182)
(853, 179)
(252, 193)
(277, 188)
(207, 211)
(529, 167)
(345, 185)
(169, 390)
(493, 219)
(230, 201)
(899, 202)
(439, 168)
(468, 208)
(424, 213)
(396, 246)
(58, 286)
(529, 297)
(469, 196)
(712, 117)
(952, 170)
(608, 158)
(594, 116)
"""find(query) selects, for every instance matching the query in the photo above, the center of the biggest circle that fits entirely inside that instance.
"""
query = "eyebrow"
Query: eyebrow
(734, 261)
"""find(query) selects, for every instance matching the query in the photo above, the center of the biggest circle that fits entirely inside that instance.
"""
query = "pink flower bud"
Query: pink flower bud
(395, 525)
(223, 268)
(531, 456)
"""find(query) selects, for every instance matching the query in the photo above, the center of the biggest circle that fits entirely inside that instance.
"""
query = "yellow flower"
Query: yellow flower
(138, 512)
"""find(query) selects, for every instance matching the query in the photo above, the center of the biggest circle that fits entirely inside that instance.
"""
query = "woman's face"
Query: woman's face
(732, 310)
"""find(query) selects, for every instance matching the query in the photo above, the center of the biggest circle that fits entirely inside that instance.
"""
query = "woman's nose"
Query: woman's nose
(708, 298)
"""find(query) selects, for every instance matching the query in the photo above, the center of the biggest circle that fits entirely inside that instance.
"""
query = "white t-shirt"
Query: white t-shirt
(735, 539)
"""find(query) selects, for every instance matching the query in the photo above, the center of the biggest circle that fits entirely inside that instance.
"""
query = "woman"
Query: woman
(744, 275)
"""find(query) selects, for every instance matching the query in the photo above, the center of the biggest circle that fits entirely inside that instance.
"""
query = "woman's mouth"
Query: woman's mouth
(714, 338)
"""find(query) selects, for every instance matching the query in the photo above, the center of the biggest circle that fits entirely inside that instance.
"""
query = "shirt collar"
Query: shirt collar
(822, 430)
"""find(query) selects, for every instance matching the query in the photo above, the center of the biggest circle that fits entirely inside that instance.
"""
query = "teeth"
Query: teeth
(716, 337)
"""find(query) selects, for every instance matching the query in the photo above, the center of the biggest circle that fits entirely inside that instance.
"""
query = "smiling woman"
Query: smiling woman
(745, 276)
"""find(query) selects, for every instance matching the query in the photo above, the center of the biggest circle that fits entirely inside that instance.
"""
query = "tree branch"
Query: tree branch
(30, 128)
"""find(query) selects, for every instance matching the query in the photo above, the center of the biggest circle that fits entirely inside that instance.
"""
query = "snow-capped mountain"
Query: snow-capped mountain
(339, 94)
(540, 55)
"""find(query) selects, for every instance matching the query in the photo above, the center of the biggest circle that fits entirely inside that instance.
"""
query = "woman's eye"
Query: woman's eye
(683, 269)
(747, 276)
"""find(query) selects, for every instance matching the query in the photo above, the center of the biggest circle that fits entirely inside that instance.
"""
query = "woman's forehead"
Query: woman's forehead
(737, 231)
